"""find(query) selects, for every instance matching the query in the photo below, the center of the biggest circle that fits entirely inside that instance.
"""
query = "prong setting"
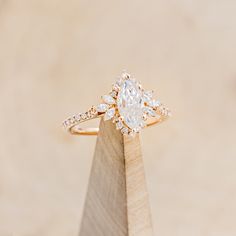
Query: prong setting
(111, 106)
(128, 106)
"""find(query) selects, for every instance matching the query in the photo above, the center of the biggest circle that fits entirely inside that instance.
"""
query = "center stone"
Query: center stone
(130, 103)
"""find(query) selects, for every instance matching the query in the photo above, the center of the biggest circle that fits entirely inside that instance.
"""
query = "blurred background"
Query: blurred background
(58, 57)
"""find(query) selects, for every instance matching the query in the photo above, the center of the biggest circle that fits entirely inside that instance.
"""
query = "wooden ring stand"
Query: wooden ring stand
(117, 200)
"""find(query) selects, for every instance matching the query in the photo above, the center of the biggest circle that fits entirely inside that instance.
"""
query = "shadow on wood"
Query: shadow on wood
(117, 201)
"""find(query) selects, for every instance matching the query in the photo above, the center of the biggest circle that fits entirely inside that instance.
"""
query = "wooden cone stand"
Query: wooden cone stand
(117, 200)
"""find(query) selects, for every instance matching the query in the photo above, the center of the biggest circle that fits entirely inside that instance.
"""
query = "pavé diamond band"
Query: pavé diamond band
(128, 105)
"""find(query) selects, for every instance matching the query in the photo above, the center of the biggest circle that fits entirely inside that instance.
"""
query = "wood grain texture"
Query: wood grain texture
(116, 202)
(139, 217)
(57, 57)
(105, 212)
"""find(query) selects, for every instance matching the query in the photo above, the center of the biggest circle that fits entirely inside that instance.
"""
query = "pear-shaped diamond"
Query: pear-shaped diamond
(130, 103)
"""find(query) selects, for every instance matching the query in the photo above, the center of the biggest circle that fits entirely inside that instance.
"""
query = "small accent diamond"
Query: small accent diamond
(78, 117)
(125, 75)
(66, 123)
(108, 99)
(154, 103)
(132, 133)
(143, 124)
(93, 110)
(109, 114)
(72, 120)
(119, 124)
(149, 111)
(124, 130)
(113, 94)
(137, 129)
(147, 96)
(102, 107)
(83, 116)
(119, 81)
(116, 87)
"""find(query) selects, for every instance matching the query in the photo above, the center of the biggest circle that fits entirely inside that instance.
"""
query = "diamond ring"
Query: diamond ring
(128, 105)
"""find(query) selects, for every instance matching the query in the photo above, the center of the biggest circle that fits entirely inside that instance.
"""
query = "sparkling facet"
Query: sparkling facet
(132, 133)
(119, 81)
(83, 116)
(109, 114)
(119, 124)
(113, 94)
(154, 103)
(116, 87)
(78, 117)
(130, 103)
(124, 130)
(147, 96)
(108, 99)
(102, 107)
(125, 75)
(149, 111)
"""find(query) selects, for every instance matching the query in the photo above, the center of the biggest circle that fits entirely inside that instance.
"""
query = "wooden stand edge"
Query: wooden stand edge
(117, 201)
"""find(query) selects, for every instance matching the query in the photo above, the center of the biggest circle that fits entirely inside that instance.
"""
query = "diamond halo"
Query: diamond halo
(129, 105)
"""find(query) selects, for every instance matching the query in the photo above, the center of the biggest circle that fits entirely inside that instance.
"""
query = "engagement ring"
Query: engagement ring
(128, 105)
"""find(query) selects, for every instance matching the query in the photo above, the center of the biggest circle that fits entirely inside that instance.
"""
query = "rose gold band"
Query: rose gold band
(73, 124)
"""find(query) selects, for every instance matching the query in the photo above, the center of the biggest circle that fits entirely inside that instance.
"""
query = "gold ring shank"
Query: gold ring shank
(77, 130)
